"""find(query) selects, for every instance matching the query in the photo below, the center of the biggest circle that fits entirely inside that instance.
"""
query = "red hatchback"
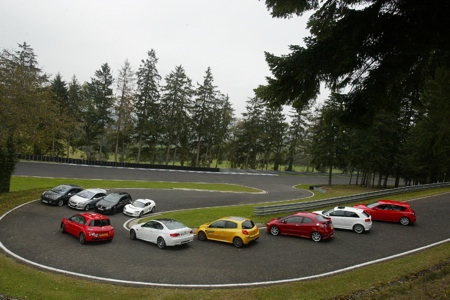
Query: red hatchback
(88, 227)
(390, 211)
(302, 224)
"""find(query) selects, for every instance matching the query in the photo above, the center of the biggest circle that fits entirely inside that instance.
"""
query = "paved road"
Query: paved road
(32, 232)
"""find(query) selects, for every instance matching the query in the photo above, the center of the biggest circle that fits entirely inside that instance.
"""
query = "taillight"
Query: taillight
(191, 232)
(367, 220)
(174, 234)
(244, 231)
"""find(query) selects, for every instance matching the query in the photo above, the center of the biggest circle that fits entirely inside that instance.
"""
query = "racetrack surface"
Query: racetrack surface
(32, 233)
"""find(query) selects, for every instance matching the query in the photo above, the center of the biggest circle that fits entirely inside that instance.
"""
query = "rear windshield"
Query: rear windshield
(366, 214)
(248, 224)
(321, 218)
(173, 224)
(100, 223)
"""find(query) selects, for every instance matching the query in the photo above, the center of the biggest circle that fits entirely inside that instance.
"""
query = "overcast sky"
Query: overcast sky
(75, 37)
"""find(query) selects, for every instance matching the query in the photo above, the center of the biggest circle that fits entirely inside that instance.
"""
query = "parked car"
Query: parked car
(163, 232)
(60, 195)
(344, 217)
(238, 231)
(88, 227)
(86, 199)
(139, 207)
(390, 211)
(113, 203)
(302, 224)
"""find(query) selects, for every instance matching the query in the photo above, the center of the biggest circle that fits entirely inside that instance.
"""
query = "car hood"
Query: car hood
(51, 195)
(131, 207)
(105, 203)
(78, 199)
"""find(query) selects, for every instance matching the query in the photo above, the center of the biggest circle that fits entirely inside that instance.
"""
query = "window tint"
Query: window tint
(307, 220)
(218, 224)
(337, 213)
(399, 208)
(99, 223)
(366, 214)
(294, 220)
(248, 224)
(230, 224)
(321, 219)
(351, 214)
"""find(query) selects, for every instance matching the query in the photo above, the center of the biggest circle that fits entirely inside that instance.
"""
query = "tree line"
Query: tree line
(140, 117)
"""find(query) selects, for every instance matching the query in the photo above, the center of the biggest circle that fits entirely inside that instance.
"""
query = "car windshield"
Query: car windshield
(86, 194)
(113, 198)
(61, 189)
(327, 212)
(366, 214)
(172, 224)
(139, 204)
(372, 205)
(99, 223)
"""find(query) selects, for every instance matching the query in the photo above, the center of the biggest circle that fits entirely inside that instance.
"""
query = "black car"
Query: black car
(60, 195)
(113, 203)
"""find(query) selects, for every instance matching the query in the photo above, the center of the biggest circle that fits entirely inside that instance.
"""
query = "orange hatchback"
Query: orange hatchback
(238, 231)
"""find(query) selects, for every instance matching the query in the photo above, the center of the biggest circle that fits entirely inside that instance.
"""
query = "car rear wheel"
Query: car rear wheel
(274, 230)
(61, 202)
(358, 228)
(316, 236)
(82, 238)
(132, 234)
(201, 236)
(237, 242)
(63, 228)
(161, 243)
(404, 221)
(87, 207)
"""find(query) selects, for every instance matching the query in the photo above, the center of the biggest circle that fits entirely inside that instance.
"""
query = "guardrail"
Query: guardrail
(310, 205)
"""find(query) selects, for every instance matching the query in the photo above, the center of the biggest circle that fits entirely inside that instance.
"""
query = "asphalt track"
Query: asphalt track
(31, 233)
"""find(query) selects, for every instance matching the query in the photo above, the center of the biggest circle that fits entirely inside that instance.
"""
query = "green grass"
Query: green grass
(380, 280)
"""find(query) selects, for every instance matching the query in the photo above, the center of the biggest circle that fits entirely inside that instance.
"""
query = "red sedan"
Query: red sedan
(390, 211)
(88, 227)
(302, 224)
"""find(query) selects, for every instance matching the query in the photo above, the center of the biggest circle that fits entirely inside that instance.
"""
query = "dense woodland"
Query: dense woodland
(379, 129)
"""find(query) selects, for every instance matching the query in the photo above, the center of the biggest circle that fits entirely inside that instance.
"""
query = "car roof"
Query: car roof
(304, 214)
(393, 202)
(93, 216)
(348, 208)
(96, 190)
(234, 218)
(120, 193)
(70, 185)
(143, 200)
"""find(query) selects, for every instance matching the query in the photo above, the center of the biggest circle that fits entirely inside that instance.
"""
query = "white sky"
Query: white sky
(75, 37)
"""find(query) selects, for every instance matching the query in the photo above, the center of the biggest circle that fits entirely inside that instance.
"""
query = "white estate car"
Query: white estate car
(351, 218)
(139, 207)
(163, 232)
(86, 199)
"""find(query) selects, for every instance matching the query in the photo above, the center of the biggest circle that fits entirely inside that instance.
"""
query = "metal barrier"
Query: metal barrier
(310, 205)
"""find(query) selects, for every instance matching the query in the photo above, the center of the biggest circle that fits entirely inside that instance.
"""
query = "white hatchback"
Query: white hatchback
(344, 217)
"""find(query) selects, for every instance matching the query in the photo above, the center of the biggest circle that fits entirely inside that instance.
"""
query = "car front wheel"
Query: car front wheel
(82, 238)
(404, 221)
(87, 207)
(60, 202)
(358, 228)
(316, 236)
(161, 243)
(274, 230)
(201, 236)
(63, 228)
(132, 234)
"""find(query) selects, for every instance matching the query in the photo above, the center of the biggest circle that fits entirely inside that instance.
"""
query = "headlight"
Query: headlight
(93, 234)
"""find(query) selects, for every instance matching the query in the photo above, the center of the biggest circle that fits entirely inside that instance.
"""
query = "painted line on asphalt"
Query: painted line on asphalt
(249, 284)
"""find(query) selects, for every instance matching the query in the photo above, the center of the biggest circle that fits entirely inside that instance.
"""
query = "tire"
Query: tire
(60, 202)
(237, 242)
(404, 221)
(202, 236)
(316, 236)
(141, 214)
(87, 207)
(132, 234)
(274, 230)
(358, 228)
(63, 228)
(82, 238)
(161, 243)
(152, 210)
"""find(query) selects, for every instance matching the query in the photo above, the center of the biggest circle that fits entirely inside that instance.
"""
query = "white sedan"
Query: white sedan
(351, 218)
(86, 199)
(163, 232)
(139, 207)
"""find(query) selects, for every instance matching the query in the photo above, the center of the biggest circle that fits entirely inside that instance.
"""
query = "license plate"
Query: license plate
(103, 234)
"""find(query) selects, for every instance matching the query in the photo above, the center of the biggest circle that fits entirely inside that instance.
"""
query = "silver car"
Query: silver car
(86, 199)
